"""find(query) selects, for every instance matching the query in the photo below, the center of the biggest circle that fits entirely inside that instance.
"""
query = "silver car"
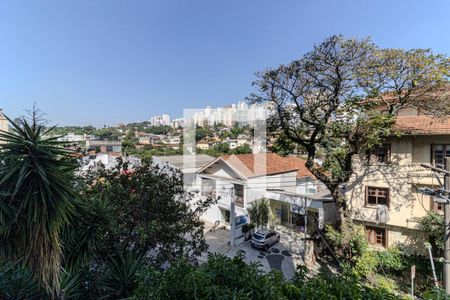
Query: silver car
(263, 239)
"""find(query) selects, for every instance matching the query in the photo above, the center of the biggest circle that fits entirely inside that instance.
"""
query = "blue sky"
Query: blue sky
(107, 61)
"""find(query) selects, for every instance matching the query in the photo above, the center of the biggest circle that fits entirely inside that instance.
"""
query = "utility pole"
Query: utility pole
(306, 227)
(441, 196)
(232, 218)
(447, 229)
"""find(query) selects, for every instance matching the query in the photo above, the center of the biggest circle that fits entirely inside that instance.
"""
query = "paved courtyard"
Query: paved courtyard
(283, 256)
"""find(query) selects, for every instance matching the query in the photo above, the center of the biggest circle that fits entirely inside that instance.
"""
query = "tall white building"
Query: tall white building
(159, 120)
(241, 113)
(178, 122)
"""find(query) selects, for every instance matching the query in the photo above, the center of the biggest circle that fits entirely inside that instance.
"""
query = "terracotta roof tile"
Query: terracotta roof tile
(275, 164)
(423, 125)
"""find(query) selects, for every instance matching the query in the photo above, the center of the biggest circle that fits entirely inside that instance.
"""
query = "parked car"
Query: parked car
(263, 239)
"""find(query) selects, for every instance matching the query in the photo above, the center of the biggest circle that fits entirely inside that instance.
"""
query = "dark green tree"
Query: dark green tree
(36, 199)
(144, 210)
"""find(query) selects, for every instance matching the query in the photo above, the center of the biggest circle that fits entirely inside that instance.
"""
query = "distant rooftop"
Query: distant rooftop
(249, 165)
(178, 160)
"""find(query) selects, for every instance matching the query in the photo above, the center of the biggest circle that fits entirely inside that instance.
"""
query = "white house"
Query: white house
(285, 181)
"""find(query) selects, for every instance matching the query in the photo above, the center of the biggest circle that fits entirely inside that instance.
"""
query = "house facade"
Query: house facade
(264, 176)
(104, 145)
(383, 193)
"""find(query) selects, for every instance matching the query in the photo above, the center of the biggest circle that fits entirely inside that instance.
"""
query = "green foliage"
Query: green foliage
(365, 265)
(435, 294)
(108, 133)
(119, 279)
(79, 130)
(244, 149)
(161, 129)
(129, 142)
(231, 278)
(324, 101)
(348, 243)
(434, 224)
(392, 260)
(36, 199)
(138, 211)
(259, 212)
(282, 145)
(219, 278)
(203, 132)
(72, 285)
(224, 149)
(17, 282)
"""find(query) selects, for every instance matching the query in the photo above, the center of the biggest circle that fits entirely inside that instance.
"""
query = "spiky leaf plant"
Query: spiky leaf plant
(36, 198)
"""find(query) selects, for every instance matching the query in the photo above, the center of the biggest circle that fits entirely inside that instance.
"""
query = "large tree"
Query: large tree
(36, 199)
(325, 100)
(144, 210)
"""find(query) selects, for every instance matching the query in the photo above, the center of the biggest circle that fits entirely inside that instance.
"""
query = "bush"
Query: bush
(219, 278)
(435, 294)
(348, 243)
(434, 224)
(366, 264)
(392, 260)
(231, 278)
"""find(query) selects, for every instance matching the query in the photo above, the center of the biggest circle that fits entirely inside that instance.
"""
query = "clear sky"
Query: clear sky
(106, 61)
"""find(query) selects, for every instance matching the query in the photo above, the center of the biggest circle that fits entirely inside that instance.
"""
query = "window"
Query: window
(439, 153)
(227, 216)
(376, 195)
(376, 236)
(436, 207)
(208, 188)
(270, 235)
(109, 149)
(239, 195)
(381, 154)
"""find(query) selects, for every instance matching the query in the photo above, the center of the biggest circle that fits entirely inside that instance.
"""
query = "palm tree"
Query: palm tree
(36, 199)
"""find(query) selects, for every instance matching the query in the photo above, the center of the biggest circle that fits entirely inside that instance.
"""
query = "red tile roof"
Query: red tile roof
(252, 165)
(423, 125)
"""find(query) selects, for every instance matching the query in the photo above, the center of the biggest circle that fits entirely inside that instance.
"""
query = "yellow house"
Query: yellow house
(382, 194)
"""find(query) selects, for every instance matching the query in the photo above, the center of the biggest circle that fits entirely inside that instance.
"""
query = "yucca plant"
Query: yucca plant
(18, 283)
(36, 199)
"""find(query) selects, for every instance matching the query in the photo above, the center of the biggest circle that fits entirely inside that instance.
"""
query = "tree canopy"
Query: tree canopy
(325, 101)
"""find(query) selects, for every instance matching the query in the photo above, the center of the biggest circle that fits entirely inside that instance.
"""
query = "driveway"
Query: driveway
(278, 257)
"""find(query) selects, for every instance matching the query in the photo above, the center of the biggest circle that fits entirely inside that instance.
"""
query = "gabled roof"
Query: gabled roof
(252, 165)
(423, 125)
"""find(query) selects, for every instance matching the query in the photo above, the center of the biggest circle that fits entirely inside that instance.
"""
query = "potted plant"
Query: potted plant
(246, 231)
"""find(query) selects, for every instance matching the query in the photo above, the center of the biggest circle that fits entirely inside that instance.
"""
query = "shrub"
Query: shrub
(392, 260)
(348, 243)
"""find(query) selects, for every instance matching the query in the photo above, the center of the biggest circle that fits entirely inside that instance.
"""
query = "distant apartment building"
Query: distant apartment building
(177, 123)
(382, 194)
(230, 115)
(72, 138)
(160, 120)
